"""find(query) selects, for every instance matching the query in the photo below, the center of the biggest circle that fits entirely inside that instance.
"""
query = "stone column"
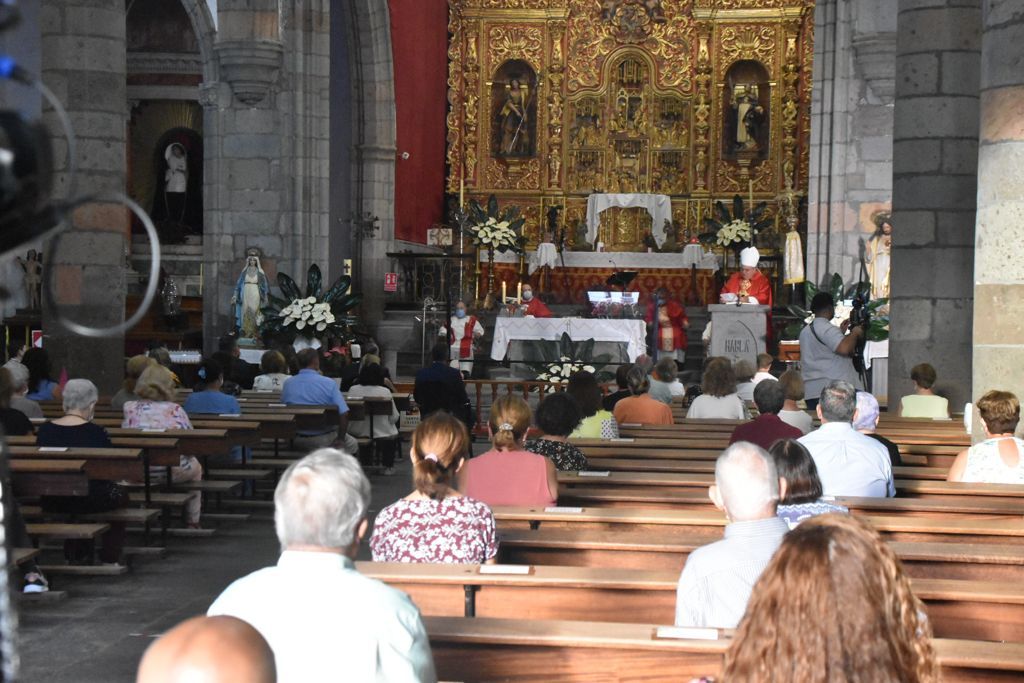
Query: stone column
(84, 63)
(998, 268)
(935, 164)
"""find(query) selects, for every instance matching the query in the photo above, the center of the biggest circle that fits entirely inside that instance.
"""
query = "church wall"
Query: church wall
(851, 131)
(418, 36)
(935, 176)
(84, 62)
(342, 106)
(267, 147)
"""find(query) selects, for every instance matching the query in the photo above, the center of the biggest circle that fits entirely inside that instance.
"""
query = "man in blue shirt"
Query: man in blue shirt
(310, 388)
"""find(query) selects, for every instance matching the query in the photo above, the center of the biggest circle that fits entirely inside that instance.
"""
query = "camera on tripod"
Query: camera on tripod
(860, 316)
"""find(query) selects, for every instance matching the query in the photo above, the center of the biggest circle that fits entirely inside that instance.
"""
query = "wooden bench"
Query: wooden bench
(710, 523)
(638, 464)
(956, 609)
(668, 550)
(20, 556)
(475, 649)
(31, 477)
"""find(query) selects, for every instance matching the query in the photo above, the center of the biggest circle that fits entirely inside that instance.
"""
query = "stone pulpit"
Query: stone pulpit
(738, 331)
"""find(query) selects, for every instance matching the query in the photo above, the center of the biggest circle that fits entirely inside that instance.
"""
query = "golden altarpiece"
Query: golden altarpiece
(554, 100)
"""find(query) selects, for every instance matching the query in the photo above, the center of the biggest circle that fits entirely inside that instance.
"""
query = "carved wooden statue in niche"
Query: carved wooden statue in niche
(515, 124)
(750, 115)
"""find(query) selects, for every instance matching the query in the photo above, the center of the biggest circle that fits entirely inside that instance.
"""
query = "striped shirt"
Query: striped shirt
(718, 578)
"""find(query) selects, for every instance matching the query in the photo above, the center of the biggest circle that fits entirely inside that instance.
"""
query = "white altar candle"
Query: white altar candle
(519, 291)
(503, 290)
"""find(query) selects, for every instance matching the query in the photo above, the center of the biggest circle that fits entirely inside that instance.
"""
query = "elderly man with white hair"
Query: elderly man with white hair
(19, 385)
(718, 578)
(324, 620)
(849, 463)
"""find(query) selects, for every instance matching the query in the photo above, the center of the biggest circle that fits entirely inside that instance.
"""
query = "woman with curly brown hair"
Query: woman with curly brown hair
(833, 606)
(718, 399)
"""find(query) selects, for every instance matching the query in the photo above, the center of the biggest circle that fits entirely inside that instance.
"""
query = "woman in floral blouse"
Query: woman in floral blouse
(557, 416)
(435, 523)
(156, 409)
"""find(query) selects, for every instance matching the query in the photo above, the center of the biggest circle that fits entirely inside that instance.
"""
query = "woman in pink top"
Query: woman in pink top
(507, 474)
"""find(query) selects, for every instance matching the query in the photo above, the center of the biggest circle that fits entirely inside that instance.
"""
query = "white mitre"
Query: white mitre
(749, 257)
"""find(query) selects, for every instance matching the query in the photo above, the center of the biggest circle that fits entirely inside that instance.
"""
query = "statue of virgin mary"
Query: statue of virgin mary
(250, 296)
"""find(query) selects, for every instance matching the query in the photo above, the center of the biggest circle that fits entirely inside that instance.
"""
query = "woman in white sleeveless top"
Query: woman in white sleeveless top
(999, 459)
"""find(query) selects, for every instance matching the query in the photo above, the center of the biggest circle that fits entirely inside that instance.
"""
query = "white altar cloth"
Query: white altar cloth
(658, 205)
(625, 260)
(546, 255)
(629, 332)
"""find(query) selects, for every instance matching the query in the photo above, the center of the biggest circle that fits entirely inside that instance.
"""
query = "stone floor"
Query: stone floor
(98, 634)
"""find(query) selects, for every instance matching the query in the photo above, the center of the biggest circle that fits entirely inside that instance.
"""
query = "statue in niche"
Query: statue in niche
(251, 292)
(514, 120)
(32, 264)
(750, 115)
(175, 181)
(878, 255)
(177, 208)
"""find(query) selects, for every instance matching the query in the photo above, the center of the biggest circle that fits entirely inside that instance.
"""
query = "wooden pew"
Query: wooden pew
(39, 477)
(474, 649)
(709, 523)
(957, 609)
(668, 550)
(668, 499)
(628, 464)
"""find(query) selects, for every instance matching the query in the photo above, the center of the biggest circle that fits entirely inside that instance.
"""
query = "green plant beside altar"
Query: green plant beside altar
(561, 359)
(312, 314)
(878, 309)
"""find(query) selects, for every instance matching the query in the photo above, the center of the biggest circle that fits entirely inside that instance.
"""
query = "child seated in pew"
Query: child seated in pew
(799, 485)
(75, 429)
(793, 384)
(596, 421)
(557, 415)
(156, 409)
(436, 523)
(208, 398)
(507, 474)
(999, 459)
(833, 605)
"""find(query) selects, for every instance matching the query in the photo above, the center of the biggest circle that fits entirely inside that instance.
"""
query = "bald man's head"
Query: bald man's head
(209, 650)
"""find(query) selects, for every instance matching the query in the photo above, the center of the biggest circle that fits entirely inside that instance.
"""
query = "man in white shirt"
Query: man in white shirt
(718, 578)
(849, 463)
(764, 366)
(323, 619)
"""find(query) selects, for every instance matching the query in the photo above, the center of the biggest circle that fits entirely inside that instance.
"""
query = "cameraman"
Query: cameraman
(826, 350)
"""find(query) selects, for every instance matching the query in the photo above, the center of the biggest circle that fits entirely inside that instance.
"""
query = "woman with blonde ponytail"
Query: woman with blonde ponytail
(508, 474)
(436, 523)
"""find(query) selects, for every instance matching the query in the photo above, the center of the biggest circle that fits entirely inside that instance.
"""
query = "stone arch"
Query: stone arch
(203, 24)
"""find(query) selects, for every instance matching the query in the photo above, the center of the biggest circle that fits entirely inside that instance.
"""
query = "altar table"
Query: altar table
(587, 271)
(632, 333)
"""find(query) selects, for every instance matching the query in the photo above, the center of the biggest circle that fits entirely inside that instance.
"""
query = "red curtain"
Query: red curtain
(419, 40)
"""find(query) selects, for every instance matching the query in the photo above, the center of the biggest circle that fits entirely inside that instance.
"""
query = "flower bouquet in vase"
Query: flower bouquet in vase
(495, 229)
(306, 318)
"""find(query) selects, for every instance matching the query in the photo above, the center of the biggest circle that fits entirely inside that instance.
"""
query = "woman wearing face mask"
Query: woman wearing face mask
(533, 308)
(465, 330)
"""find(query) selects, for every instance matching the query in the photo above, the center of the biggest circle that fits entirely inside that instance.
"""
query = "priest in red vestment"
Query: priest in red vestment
(749, 284)
(533, 307)
(670, 337)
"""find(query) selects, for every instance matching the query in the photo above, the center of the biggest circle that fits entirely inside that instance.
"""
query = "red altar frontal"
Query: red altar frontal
(570, 285)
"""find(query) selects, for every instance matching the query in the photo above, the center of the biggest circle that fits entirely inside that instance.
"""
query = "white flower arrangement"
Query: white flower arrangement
(303, 313)
(843, 311)
(561, 370)
(495, 234)
(735, 232)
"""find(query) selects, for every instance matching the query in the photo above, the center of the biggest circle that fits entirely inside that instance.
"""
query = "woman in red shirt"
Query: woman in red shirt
(508, 474)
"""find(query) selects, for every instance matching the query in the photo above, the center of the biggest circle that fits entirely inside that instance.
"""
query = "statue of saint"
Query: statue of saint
(250, 296)
(175, 181)
(514, 120)
(580, 242)
(749, 115)
(878, 253)
(32, 264)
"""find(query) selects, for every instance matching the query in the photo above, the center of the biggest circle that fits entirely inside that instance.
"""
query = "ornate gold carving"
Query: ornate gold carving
(790, 76)
(702, 112)
(556, 109)
(747, 42)
(516, 42)
(453, 120)
(523, 175)
(471, 77)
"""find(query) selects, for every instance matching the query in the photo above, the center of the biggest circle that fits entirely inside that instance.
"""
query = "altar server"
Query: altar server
(533, 307)
(465, 329)
(670, 339)
(749, 284)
